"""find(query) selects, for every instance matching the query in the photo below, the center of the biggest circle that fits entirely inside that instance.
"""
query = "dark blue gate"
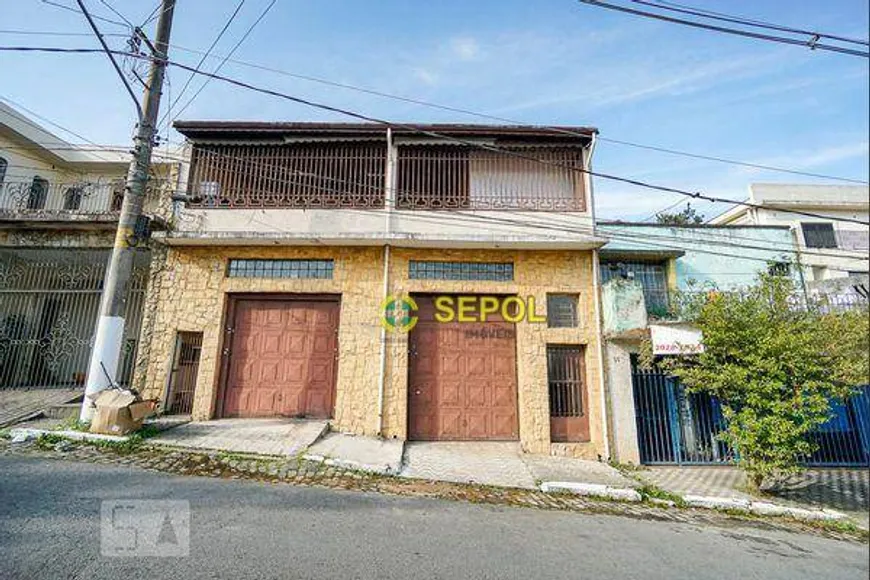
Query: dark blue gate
(676, 427)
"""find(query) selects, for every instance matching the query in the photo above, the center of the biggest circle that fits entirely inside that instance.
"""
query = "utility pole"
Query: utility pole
(105, 356)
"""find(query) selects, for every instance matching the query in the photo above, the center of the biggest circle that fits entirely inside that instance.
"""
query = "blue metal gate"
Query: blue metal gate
(676, 427)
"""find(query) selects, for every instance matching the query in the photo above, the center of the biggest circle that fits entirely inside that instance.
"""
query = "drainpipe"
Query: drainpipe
(596, 287)
(389, 188)
(383, 366)
(800, 264)
(602, 384)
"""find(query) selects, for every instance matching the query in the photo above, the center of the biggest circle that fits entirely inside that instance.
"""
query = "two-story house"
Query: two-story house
(59, 207)
(434, 283)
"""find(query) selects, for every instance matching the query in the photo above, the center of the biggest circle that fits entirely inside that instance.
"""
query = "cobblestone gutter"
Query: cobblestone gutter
(297, 471)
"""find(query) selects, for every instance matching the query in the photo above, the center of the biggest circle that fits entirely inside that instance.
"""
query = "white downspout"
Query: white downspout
(602, 383)
(383, 364)
(596, 285)
(389, 177)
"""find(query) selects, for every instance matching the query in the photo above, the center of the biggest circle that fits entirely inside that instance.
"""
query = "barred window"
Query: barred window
(565, 378)
(321, 269)
(562, 310)
(819, 235)
(493, 271)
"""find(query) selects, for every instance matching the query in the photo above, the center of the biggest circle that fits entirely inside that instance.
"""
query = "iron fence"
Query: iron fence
(49, 305)
(439, 178)
(300, 176)
(39, 197)
(677, 427)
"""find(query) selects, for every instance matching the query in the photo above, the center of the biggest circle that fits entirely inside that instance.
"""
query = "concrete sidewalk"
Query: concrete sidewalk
(18, 405)
(843, 490)
(286, 437)
(502, 464)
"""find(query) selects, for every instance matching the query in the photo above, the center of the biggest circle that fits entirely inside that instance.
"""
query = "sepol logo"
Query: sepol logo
(398, 313)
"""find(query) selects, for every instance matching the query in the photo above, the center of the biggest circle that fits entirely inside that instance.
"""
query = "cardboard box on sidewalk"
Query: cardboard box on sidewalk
(120, 412)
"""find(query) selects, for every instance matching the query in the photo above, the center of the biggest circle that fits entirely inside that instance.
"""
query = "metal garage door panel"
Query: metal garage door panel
(282, 359)
(461, 379)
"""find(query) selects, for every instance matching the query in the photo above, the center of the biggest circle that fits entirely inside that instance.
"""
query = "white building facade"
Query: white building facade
(825, 221)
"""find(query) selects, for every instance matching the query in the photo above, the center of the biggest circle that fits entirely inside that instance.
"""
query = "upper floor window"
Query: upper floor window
(652, 277)
(38, 194)
(819, 235)
(3, 165)
(562, 310)
(72, 198)
(293, 175)
(241, 268)
(454, 177)
(117, 193)
(778, 268)
(493, 271)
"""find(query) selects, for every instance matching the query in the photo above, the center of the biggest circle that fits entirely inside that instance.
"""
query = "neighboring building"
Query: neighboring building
(645, 269)
(829, 248)
(269, 298)
(59, 207)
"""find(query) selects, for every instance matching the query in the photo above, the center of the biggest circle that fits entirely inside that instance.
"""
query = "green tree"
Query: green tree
(686, 217)
(775, 365)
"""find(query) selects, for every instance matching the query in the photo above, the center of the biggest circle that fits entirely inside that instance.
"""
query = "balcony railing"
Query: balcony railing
(353, 175)
(435, 178)
(39, 199)
(288, 176)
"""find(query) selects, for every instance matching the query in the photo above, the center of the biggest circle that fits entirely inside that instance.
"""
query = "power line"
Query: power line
(609, 232)
(683, 9)
(441, 136)
(57, 33)
(116, 13)
(258, 164)
(96, 16)
(463, 111)
(422, 131)
(154, 13)
(811, 43)
(500, 119)
(226, 58)
(108, 52)
(202, 60)
(50, 122)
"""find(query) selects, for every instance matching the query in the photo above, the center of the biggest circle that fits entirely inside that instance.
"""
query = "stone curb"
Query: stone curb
(22, 434)
(762, 508)
(349, 464)
(592, 490)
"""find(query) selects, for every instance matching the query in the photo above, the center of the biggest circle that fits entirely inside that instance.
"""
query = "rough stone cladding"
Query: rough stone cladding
(57, 238)
(189, 291)
(535, 274)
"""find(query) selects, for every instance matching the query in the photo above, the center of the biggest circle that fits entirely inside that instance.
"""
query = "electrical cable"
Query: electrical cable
(811, 44)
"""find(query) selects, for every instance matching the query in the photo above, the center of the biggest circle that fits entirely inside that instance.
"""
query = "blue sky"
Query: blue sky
(544, 62)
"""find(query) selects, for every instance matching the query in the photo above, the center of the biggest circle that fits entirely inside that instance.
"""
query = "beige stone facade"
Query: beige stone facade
(189, 292)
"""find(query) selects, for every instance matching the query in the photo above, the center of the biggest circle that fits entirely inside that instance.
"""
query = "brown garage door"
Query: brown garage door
(282, 358)
(462, 382)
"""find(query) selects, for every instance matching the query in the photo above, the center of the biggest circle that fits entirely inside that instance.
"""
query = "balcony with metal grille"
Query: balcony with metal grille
(366, 190)
(41, 202)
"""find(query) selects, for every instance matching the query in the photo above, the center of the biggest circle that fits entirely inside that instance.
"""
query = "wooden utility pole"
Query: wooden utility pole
(106, 353)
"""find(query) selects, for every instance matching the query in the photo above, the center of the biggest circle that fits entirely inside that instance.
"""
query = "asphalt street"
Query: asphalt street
(50, 524)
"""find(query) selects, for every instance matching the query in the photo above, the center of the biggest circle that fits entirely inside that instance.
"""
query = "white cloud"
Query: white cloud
(465, 48)
(427, 76)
